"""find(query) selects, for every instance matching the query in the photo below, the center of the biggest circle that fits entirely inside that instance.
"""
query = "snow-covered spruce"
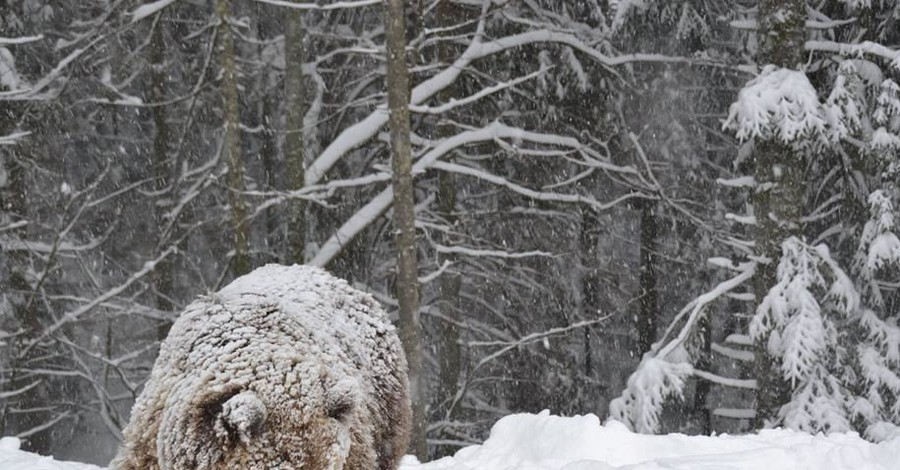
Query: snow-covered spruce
(286, 367)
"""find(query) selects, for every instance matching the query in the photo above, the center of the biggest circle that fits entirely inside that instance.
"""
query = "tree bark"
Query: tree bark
(407, 286)
(232, 149)
(648, 302)
(589, 237)
(778, 205)
(162, 275)
(294, 154)
(450, 353)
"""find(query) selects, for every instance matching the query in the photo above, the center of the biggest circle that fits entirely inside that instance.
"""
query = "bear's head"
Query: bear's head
(257, 426)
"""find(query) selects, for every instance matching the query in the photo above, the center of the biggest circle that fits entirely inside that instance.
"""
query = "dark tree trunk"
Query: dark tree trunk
(407, 286)
(648, 301)
(163, 274)
(294, 152)
(590, 278)
(232, 149)
(450, 353)
(777, 206)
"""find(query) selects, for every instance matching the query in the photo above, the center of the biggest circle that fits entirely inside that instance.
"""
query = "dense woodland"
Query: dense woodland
(676, 213)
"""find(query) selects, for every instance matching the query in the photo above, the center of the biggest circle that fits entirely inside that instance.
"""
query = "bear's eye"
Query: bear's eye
(340, 410)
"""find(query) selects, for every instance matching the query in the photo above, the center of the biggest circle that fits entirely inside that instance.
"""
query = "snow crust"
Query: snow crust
(547, 442)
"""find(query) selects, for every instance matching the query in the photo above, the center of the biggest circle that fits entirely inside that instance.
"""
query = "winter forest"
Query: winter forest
(679, 214)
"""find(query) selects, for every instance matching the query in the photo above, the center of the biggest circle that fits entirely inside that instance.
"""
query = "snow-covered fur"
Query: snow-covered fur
(284, 368)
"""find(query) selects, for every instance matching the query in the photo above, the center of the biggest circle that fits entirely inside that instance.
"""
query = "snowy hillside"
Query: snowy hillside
(546, 442)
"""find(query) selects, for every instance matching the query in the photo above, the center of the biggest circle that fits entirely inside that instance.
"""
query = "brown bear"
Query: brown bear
(285, 368)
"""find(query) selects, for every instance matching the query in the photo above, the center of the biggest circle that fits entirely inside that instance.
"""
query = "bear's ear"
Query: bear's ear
(241, 417)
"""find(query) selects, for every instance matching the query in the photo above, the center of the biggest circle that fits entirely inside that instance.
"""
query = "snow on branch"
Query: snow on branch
(662, 372)
(857, 50)
(528, 339)
(528, 192)
(696, 307)
(325, 7)
(362, 131)
(749, 384)
(654, 381)
(12, 393)
(381, 202)
(778, 104)
(20, 40)
(460, 250)
(74, 315)
(149, 9)
(454, 103)
(11, 139)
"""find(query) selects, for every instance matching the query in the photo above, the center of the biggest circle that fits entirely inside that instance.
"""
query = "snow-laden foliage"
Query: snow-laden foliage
(818, 405)
(779, 104)
(877, 356)
(800, 320)
(842, 108)
(887, 109)
(654, 381)
(878, 247)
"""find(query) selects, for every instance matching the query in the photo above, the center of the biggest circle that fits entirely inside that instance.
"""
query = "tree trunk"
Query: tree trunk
(450, 353)
(702, 387)
(232, 149)
(294, 154)
(777, 206)
(646, 321)
(26, 312)
(407, 287)
(590, 279)
(162, 275)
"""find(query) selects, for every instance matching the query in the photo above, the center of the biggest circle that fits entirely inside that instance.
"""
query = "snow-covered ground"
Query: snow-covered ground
(547, 442)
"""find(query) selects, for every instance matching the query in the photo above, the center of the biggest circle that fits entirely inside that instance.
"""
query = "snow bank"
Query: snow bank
(11, 458)
(546, 442)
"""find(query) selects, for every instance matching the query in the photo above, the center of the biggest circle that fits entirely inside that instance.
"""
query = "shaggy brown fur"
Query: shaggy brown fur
(285, 368)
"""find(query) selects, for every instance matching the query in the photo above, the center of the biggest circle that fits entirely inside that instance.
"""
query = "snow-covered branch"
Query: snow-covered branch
(362, 131)
(492, 132)
(865, 47)
(455, 103)
(149, 9)
(326, 7)
(20, 40)
(531, 338)
(696, 307)
(74, 315)
(461, 250)
(749, 384)
(12, 139)
(530, 193)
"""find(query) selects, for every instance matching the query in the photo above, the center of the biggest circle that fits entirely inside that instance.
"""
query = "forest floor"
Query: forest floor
(547, 442)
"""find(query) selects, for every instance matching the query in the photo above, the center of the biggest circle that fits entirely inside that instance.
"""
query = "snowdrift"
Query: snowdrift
(547, 442)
